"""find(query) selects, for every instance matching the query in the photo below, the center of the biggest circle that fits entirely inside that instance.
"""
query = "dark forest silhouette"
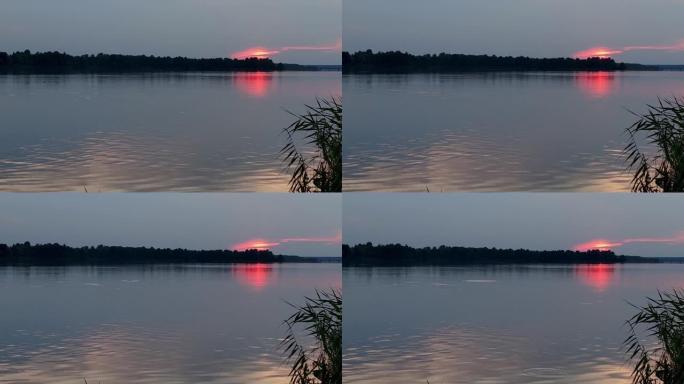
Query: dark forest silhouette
(57, 62)
(57, 254)
(398, 255)
(402, 62)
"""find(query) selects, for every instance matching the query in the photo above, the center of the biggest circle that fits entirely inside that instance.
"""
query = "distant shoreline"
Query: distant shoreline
(367, 255)
(27, 254)
(396, 62)
(27, 62)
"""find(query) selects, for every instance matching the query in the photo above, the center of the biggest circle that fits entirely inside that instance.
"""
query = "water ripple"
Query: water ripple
(462, 354)
(493, 132)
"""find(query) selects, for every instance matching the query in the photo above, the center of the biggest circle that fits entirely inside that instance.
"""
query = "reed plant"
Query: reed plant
(655, 344)
(661, 167)
(313, 152)
(313, 343)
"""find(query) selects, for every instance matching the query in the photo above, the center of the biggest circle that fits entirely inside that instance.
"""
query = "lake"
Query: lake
(151, 324)
(151, 132)
(549, 131)
(505, 324)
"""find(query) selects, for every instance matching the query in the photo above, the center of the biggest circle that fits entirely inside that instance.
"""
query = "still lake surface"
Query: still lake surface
(151, 132)
(506, 324)
(550, 131)
(161, 324)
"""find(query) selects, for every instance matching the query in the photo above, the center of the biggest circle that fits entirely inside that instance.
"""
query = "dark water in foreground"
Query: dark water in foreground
(530, 324)
(151, 132)
(164, 324)
(551, 131)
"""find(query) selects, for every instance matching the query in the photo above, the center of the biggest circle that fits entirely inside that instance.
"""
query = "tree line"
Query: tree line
(403, 62)
(58, 62)
(57, 254)
(397, 255)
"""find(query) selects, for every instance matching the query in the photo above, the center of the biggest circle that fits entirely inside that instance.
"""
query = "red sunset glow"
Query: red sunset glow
(263, 244)
(605, 52)
(258, 52)
(600, 244)
(605, 245)
(601, 52)
(258, 244)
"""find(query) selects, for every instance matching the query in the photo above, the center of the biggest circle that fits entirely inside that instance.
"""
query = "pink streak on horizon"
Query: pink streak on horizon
(337, 46)
(263, 52)
(605, 52)
(337, 239)
(674, 47)
(603, 244)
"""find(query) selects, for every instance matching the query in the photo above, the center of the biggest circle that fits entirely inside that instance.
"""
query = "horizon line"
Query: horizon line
(32, 244)
(498, 55)
(506, 249)
(162, 56)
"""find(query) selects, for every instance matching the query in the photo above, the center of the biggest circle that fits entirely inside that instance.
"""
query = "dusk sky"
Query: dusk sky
(631, 224)
(304, 225)
(644, 31)
(310, 29)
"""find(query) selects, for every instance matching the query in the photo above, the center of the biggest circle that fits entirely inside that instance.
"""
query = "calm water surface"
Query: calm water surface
(151, 132)
(532, 324)
(494, 132)
(163, 324)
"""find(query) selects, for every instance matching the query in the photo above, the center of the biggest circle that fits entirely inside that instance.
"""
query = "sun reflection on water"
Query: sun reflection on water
(596, 84)
(257, 276)
(255, 84)
(597, 276)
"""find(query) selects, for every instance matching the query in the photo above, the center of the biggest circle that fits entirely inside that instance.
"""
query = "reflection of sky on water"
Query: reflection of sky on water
(185, 132)
(145, 356)
(505, 324)
(115, 353)
(149, 324)
(467, 355)
(494, 131)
